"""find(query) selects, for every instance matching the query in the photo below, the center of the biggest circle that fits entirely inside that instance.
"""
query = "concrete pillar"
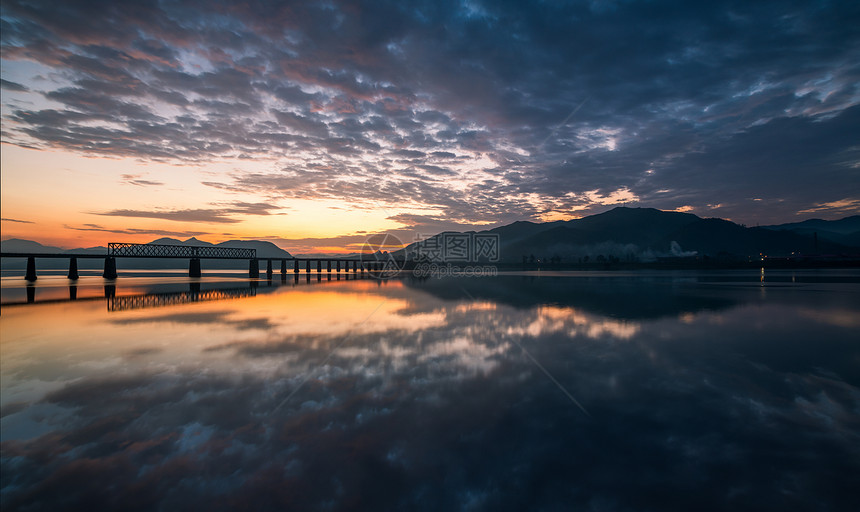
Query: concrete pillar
(268, 269)
(327, 261)
(296, 266)
(73, 268)
(338, 265)
(283, 267)
(31, 269)
(308, 266)
(253, 268)
(319, 266)
(110, 268)
(194, 268)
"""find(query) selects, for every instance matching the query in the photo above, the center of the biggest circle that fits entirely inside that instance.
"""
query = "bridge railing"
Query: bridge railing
(178, 251)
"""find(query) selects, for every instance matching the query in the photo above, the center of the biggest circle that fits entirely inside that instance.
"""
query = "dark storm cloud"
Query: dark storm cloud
(571, 101)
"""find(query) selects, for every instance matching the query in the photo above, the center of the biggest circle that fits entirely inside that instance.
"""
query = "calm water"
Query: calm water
(580, 391)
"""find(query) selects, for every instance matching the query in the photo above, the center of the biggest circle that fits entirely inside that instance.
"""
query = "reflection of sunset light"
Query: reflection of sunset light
(475, 306)
(318, 313)
(551, 319)
(838, 317)
(467, 353)
(686, 318)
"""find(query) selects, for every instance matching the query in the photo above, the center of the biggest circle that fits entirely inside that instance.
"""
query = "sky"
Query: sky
(313, 125)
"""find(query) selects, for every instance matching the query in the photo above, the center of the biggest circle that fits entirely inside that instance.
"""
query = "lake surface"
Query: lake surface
(541, 391)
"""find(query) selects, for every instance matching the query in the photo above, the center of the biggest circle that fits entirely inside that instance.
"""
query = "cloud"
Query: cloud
(512, 113)
(135, 231)
(12, 86)
(4, 219)
(208, 215)
(134, 179)
(846, 205)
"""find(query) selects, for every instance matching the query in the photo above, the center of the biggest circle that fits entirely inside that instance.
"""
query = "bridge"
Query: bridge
(195, 254)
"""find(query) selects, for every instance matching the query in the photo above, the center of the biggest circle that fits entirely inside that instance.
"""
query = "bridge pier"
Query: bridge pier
(110, 268)
(268, 269)
(338, 266)
(328, 269)
(283, 267)
(73, 268)
(194, 268)
(31, 269)
(308, 267)
(319, 266)
(296, 265)
(253, 268)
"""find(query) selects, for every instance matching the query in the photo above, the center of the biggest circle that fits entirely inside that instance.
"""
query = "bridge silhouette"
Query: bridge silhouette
(197, 253)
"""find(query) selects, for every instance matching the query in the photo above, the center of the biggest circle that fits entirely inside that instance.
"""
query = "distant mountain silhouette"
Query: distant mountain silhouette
(18, 245)
(647, 234)
(265, 250)
(624, 234)
(844, 231)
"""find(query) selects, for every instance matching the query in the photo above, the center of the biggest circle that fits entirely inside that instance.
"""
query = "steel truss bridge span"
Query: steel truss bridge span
(179, 251)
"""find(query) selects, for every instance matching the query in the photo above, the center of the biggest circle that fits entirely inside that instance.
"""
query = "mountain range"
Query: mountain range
(264, 250)
(647, 234)
(625, 234)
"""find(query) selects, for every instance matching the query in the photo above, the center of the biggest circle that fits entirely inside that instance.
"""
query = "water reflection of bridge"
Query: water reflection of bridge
(194, 292)
(153, 300)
